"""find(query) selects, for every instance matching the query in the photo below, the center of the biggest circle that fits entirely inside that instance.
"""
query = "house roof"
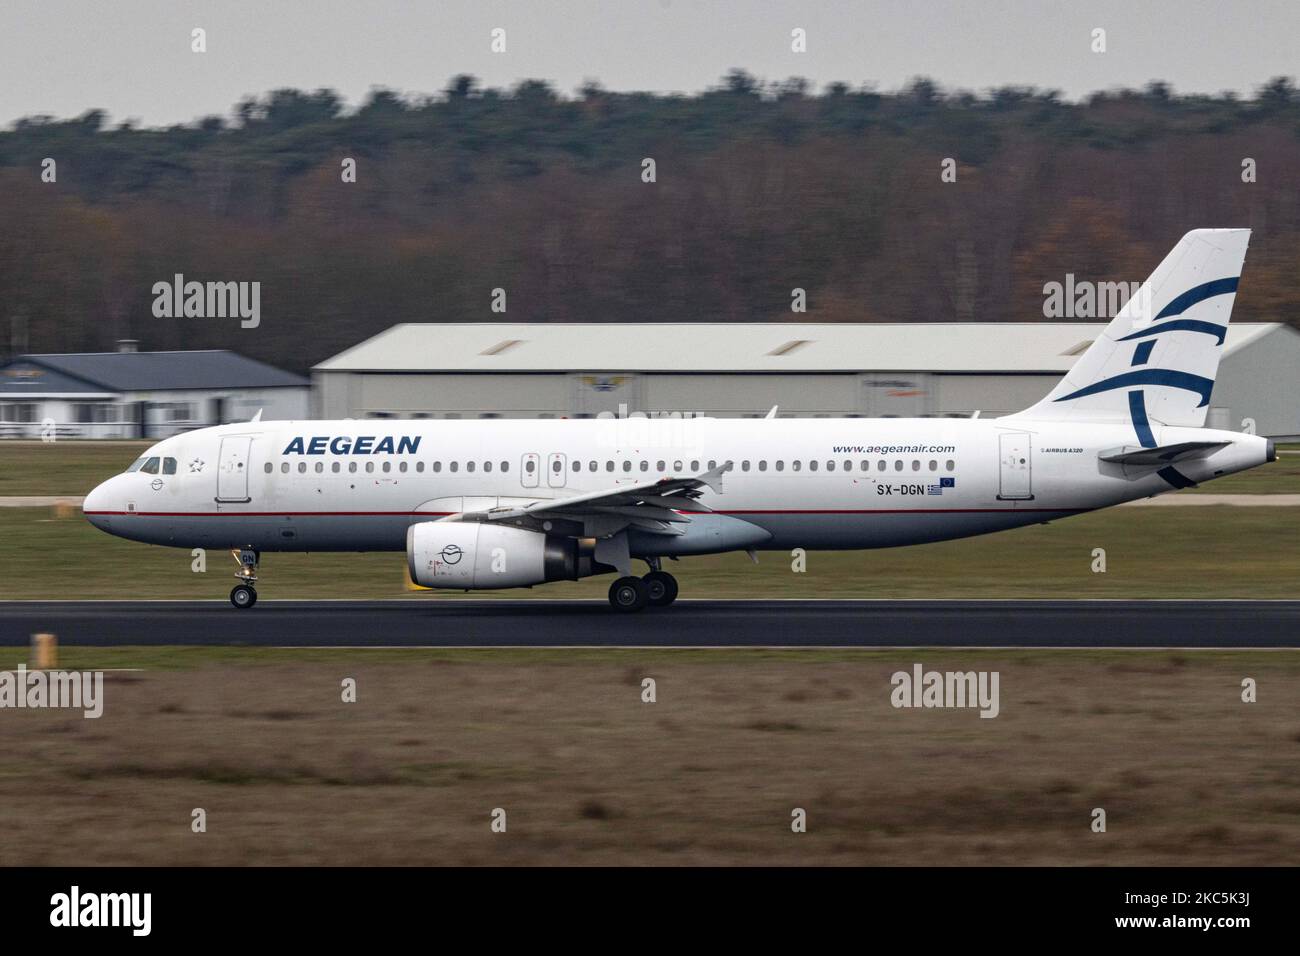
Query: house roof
(737, 347)
(98, 372)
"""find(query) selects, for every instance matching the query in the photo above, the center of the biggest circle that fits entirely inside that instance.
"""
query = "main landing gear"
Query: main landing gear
(244, 595)
(656, 589)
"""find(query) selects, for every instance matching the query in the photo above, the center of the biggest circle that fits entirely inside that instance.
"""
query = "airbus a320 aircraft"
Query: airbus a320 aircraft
(503, 504)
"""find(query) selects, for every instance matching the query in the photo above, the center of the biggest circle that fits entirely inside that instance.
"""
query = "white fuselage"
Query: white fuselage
(835, 483)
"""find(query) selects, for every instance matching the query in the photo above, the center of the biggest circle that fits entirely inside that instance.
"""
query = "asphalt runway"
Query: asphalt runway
(689, 623)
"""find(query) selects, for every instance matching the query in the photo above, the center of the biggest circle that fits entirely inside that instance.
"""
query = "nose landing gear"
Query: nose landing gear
(244, 595)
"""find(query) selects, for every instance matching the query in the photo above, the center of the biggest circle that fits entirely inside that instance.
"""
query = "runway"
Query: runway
(517, 623)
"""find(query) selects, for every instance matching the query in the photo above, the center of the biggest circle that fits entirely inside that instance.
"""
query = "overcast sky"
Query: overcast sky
(132, 57)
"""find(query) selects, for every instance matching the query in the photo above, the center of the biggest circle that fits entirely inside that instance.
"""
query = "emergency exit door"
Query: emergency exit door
(232, 469)
(1016, 479)
(528, 470)
(557, 469)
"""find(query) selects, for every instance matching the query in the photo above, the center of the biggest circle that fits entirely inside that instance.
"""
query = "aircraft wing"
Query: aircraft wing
(648, 506)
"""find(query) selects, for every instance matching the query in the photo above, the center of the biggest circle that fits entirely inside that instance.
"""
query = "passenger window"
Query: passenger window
(712, 464)
(169, 466)
(609, 466)
(949, 464)
(352, 467)
(419, 467)
(577, 465)
(796, 465)
(660, 465)
(302, 467)
(866, 465)
(401, 466)
(916, 464)
(695, 466)
(812, 465)
(469, 466)
(267, 468)
(530, 466)
(555, 466)
(645, 466)
(320, 466)
(453, 466)
(762, 465)
(150, 467)
(437, 467)
(934, 465)
(780, 465)
(335, 467)
(898, 465)
(744, 465)
(881, 465)
(388, 466)
(591, 465)
(627, 466)
(677, 466)
(505, 466)
(830, 466)
(848, 466)
(370, 467)
(284, 468)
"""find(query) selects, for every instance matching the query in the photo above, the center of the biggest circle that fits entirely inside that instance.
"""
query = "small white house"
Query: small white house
(132, 394)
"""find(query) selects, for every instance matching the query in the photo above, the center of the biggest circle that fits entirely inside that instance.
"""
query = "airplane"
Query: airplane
(489, 504)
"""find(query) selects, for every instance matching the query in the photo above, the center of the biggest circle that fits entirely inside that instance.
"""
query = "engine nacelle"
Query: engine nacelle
(479, 555)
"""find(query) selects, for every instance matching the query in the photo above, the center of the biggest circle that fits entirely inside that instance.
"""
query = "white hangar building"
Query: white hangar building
(743, 369)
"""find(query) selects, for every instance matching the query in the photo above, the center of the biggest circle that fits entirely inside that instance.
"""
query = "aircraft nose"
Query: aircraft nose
(95, 505)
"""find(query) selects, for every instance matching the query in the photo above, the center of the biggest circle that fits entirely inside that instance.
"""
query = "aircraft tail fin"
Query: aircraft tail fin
(1157, 359)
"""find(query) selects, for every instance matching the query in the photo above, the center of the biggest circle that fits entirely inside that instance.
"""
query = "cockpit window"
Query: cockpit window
(150, 467)
(169, 466)
(136, 465)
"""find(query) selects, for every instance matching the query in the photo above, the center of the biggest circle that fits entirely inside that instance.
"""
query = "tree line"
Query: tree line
(758, 189)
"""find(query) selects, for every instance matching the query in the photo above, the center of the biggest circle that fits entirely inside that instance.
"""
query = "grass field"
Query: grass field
(708, 774)
(1217, 551)
(74, 467)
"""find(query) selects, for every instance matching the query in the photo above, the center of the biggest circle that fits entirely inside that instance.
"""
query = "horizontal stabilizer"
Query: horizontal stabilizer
(1164, 455)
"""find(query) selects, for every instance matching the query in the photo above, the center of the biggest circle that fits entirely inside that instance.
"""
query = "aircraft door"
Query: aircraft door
(232, 469)
(557, 472)
(528, 469)
(1016, 470)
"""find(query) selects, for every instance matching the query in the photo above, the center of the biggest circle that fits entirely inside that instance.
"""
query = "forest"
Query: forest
(759, 188)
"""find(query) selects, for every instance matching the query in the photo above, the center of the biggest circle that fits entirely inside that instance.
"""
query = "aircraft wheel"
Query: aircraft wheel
(628, 594)
(243, 596)
(661, 588)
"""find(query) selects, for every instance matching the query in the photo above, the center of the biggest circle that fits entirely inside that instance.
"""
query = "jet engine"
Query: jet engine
(480, 555)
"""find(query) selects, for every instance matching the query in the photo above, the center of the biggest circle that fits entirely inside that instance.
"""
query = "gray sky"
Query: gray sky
(132, 57)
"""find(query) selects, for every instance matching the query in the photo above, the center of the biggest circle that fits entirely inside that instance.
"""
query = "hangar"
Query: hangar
(133, 394)
(579, 370)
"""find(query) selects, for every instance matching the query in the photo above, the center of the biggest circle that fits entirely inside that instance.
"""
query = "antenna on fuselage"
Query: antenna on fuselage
(772, 413)
(257, 417)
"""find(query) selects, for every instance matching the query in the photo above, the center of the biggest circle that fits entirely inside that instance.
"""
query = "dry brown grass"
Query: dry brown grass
(707, 775)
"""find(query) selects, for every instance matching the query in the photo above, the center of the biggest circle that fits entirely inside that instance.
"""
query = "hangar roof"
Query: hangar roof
(140, 372)
(732, 346)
